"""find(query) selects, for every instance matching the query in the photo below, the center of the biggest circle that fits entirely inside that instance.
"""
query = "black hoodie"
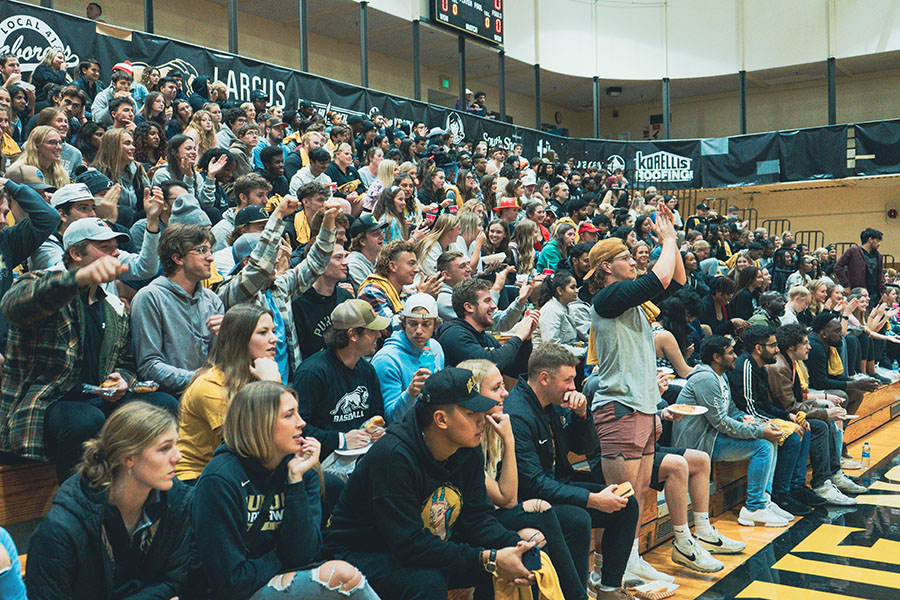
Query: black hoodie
(201, 94)
(69, 558)
(461, 341)
(427, 514)
(228, 499)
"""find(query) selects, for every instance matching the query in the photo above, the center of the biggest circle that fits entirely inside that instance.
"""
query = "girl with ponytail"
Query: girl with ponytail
(120, 525)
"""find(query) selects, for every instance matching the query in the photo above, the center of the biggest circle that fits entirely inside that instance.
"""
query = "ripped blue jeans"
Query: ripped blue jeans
(312, 584)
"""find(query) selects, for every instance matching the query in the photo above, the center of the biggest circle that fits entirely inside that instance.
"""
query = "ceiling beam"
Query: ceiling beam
(843, 68)
(756, 80)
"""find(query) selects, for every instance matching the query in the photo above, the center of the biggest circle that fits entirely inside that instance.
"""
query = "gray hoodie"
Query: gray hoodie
(705, 387)
(169, 332)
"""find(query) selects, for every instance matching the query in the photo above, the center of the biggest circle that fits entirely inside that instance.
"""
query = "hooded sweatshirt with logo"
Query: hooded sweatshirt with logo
(229, 498)
(425, 513)
(395, 364)
(171, 338)
(335, 399)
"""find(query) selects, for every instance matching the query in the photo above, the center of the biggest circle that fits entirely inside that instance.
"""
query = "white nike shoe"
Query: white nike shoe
(779, 512)
(694, 556)
(762, 517)
(846, 485)
(833, 495)
(641, 569)
(716, 543)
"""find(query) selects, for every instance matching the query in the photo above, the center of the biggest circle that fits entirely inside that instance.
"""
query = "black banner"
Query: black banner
(815, 153)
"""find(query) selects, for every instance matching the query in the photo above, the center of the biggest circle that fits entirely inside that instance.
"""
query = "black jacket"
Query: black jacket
(426, 514)
(68, 559)
(817, 365)
(708, 317)
(749, 385)
(229, 498)
(279, 184)
(312, 316)
(43, 75)
(461, 341)
(544, 438)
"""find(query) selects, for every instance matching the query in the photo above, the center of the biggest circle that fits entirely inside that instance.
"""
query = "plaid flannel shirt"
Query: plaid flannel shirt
(46, 331)
(249, 284)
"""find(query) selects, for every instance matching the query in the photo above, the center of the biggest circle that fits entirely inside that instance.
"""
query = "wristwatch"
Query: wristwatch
(491, 564)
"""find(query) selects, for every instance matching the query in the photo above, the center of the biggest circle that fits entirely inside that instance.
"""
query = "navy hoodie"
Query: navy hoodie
(425, 513)
(228, 499)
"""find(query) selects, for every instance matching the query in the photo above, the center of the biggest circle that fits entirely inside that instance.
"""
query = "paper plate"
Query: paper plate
(354, 452)
(692, 410)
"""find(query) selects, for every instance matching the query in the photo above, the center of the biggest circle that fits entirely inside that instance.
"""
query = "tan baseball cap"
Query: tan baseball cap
(357, 313)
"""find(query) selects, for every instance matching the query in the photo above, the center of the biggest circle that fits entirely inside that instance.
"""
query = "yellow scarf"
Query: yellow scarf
(387, 287)
(301, 226)
(214, 278)
(835, 365)
(546, 579)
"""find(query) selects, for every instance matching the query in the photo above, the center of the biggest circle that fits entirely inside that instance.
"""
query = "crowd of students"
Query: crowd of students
(211, 310)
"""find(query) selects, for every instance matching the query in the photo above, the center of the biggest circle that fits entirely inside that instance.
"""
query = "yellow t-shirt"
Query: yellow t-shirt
(215, 278)
(202, 414)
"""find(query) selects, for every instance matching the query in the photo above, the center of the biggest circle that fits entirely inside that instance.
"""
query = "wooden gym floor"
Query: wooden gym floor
(834, 553)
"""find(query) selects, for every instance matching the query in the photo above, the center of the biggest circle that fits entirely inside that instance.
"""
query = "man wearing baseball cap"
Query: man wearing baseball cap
(67, 333)
(624, 406)
(273, 130)
(74, 202)
(414, 516)
(588, 233)
(409, 356)
(260, 101)
(699, 217)
(339, 391)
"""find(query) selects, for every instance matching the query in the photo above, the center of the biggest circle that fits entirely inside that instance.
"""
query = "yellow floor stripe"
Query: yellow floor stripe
(890, 501)
(837, 571)
(776, 591)
(885, 487)
(828, 539)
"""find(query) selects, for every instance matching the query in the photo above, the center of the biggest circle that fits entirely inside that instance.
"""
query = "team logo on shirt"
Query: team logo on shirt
(274, 516)
(352, 405)
(441, 509)
(28, 38)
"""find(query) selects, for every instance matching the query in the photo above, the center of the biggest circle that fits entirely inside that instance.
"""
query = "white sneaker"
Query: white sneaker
(716, 543)
(846, 485)
(779, 512)
(833, 495)
(695, 557)
(762, 517)
(643, 570)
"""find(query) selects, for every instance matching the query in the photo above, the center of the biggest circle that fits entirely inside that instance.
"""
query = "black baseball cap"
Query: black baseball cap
(364, 225)
(702, 206)
(353, 119)
(258, 95)
(368, 126)
(452, 385)
(250, 214)
(96, 181)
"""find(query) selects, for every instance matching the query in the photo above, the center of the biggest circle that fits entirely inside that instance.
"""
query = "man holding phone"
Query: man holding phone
(550, 418)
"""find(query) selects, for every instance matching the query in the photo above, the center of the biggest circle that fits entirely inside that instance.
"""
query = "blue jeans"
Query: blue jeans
(310, 584)
(760, 471)
(790, 467)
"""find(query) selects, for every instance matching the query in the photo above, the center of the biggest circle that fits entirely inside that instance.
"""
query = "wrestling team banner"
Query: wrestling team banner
(814, 153)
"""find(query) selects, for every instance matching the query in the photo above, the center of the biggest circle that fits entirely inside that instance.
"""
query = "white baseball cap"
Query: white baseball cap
(420, 300)
(93, 229)
(71, 192)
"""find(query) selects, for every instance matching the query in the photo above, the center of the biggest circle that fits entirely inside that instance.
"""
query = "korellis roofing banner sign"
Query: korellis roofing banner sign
(814, 153)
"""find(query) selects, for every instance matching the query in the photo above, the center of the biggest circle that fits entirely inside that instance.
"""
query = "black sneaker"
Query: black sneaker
(789, 504)
(807, 497)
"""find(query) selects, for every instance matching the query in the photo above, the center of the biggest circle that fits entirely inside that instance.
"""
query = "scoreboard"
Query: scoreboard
(480, 18)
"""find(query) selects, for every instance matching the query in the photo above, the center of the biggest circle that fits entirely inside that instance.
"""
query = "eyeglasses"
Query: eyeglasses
(202, 250)
(772, 345)
(53, 142)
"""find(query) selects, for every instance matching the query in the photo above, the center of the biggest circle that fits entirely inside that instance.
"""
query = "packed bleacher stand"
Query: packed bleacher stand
(215, 308)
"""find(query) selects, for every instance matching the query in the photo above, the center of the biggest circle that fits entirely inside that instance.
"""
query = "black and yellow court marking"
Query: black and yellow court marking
(836, 553)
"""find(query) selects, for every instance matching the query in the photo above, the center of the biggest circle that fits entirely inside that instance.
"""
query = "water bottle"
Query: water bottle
(426, 360)
(866, 454)
(895, 370)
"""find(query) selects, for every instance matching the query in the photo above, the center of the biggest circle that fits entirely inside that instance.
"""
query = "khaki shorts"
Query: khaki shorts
(624, 432)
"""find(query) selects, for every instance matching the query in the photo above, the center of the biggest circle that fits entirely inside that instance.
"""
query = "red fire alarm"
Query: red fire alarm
(892, 213)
